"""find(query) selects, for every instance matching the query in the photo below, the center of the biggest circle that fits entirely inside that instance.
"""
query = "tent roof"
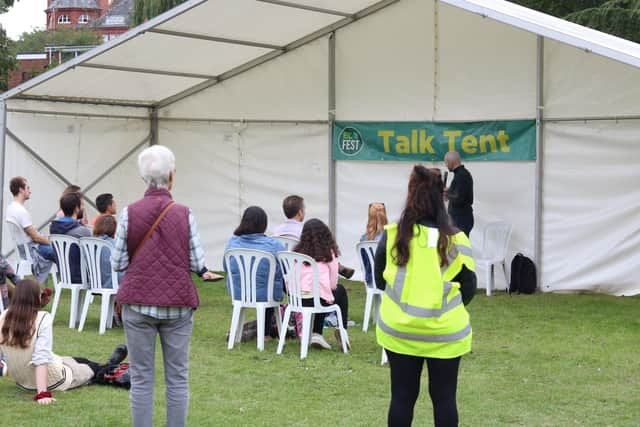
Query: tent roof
(203, 42)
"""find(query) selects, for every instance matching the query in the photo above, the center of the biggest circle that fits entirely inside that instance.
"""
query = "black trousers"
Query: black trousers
(405, 388)
(340, 297)
(463, 222)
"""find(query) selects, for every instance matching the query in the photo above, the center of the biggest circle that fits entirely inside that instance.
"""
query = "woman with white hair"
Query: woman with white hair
(157, 243)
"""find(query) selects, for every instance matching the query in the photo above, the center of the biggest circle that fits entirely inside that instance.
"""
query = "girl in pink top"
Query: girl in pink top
(317, 242)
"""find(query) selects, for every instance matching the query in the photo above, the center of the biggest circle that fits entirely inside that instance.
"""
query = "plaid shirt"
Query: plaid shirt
(120, 261)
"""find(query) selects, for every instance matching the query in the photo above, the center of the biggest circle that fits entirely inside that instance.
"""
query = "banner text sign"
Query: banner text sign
(428, 141)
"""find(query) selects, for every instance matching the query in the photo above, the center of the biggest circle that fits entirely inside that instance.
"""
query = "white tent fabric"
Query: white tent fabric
(244, 92)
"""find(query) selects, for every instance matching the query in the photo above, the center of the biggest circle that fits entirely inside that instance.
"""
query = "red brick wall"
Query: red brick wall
(25, 70)
(74, 14)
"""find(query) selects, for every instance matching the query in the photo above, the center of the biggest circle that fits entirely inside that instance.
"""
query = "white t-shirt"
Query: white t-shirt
(19, 215)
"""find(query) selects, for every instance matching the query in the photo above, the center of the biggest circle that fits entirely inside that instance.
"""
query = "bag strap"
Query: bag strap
(153, 227)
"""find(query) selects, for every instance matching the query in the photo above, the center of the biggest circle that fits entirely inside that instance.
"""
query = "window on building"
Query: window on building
(83, 19)
(64, 19)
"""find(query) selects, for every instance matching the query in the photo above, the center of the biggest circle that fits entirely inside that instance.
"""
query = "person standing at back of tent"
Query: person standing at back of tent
(460, 193)
(425, 267)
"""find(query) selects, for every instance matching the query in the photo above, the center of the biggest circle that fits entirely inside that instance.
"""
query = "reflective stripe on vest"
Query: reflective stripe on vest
(395, 294)
(453, 253)
(425, 338)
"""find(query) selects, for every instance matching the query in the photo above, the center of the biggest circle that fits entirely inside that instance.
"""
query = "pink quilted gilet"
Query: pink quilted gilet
(160, 274)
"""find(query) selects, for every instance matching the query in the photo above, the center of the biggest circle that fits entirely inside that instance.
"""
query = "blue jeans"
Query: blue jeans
(46, 251)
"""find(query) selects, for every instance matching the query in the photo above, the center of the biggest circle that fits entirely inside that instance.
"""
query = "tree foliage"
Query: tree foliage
(5, 5)
(147, 9)
(36, 40)
(7, 59)
(618, 17)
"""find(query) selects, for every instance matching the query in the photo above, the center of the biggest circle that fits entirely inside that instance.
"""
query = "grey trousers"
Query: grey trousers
(175, 337)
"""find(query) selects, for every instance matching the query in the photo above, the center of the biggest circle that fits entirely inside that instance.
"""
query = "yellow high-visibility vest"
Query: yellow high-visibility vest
(421, 313)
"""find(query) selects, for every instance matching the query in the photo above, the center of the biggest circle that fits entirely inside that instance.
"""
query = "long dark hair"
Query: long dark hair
(316, 240)
(424, 202)
(18, 326)
(254, 220)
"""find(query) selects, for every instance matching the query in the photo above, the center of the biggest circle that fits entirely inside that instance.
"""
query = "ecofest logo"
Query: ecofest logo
(350, 141)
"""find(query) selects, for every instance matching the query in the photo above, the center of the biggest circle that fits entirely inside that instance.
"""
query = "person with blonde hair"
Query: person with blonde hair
(375, 226)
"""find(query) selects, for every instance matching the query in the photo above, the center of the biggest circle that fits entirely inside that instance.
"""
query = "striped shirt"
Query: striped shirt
(120, 261)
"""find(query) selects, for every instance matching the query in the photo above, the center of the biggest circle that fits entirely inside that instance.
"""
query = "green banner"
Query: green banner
(427, 141)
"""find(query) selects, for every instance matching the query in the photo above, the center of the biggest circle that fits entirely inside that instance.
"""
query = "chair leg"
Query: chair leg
(344, 337)
(306, 334)
(377, 299)
(488, 279)
(506, 278)
(283, 329)
(56, 301)
(104, 313)
(278, 319)
(383, 358)
(260, 320)
(112, 301)
(73, 310)
(367, 311)
(85, 311)
(233, 331)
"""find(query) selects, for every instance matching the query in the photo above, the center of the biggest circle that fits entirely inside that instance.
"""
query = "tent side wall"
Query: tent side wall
(79, 143)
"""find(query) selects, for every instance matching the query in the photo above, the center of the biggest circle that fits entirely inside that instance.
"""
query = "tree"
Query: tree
(147, 9)
(5, 5)
(7, 59)
(618, 17)
(36, 40)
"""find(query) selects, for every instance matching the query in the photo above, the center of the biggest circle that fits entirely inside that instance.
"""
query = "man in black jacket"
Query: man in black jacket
(459, 193)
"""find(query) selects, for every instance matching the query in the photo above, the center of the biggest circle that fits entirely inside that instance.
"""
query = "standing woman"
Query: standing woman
(158, 244)
(426, 269)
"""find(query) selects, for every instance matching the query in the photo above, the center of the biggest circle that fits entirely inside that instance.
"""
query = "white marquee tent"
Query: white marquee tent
(245, 93)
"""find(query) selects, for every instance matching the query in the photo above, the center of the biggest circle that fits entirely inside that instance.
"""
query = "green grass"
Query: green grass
(541, 360)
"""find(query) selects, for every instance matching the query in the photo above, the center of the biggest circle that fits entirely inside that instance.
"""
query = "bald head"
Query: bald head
(452, 160)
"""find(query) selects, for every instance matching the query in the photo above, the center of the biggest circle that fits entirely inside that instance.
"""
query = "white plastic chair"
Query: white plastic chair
(291, 263)
(494, 251)
(366, 250)
(91, 249)
(248, 261)
(62, 245)
(23, 254)
(288, 242)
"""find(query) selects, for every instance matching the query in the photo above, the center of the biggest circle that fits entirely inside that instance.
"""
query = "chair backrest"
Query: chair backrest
(366, 251)
(247, 261)
(496, 240)
(291, 264)
(22, 244)
(92, 252)
(288, 242)
(62, 245)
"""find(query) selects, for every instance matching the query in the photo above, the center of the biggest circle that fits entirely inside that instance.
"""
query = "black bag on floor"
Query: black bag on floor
(523, 275)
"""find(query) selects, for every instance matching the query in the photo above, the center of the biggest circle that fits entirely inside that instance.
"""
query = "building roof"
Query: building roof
(120, 14)
(73, 4)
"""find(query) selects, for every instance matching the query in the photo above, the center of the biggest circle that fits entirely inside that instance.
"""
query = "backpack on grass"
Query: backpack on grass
(523, 275)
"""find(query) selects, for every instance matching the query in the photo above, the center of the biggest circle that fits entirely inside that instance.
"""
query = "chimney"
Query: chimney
(104, 6)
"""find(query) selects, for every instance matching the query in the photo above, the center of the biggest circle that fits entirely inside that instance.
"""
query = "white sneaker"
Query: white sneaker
(318, 341)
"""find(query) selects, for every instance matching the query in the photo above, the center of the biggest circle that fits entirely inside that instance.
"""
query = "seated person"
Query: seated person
(82, 216)
(105, 229)
(250, 235)
(26, 337)
(106, 205)
(71, 205)
(38, 245)
(318, 242)
(375, 226)
(293, 208)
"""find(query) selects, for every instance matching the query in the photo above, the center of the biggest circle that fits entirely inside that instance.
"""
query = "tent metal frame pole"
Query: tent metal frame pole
(153, 125)
(147, 71)
(69, 114)
(305, 7)
(214, 39)
(3, 129)
(592, 119)
(538, 224)
(43, 162)
(248, 121)
(83, 101)
(332, 116)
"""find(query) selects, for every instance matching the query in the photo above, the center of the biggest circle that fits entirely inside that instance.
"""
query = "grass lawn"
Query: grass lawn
(541, 360)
